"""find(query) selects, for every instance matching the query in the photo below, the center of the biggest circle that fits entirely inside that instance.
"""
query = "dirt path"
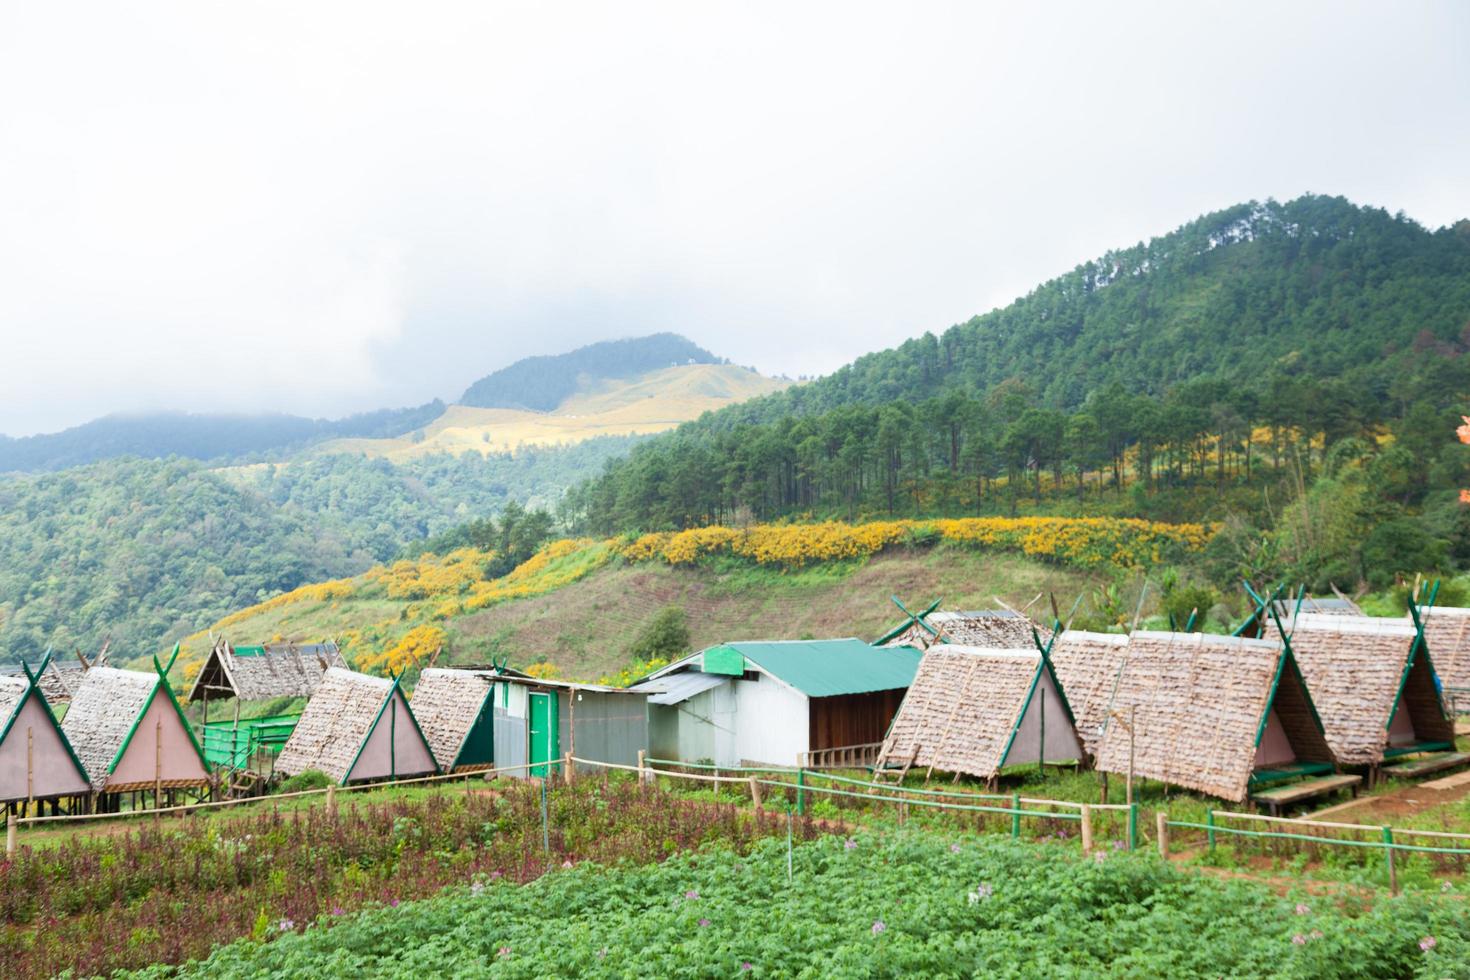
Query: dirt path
(1412, 800)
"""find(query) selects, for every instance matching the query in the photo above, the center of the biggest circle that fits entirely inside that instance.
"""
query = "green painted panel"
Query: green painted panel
(724, 660)
(479, 745)
(545, 741)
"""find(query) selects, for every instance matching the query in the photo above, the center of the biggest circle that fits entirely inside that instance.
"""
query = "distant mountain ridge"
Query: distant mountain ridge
(537, 384)
(157, 435)
(541, 383)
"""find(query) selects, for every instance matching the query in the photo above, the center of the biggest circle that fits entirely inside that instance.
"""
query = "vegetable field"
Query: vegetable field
(901, 904)
(169, 892)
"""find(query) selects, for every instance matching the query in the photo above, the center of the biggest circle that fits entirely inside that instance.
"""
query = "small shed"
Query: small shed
(1373, 684)
(1447, 632)
(127, 728)
(58, 679)
(1212, 713)
(996, 629)
(357, 728)
(1087, 666)
(36, 760)
(976, 710)
(455, 714)
(779, 703)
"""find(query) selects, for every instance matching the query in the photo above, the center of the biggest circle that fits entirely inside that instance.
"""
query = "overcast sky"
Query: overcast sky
(324, 208)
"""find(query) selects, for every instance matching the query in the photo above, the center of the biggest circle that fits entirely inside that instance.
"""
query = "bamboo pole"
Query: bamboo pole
(643, 766)
(1086, 829)
(1132, 727)
(158, 764)
(755, 793)
(1163, 826)
(10, 828)
(30, 764)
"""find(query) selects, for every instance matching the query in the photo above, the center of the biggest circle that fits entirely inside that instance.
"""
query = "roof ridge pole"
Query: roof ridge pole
(1300, 595)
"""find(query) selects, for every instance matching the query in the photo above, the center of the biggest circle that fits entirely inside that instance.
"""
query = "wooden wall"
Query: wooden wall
(852, 719)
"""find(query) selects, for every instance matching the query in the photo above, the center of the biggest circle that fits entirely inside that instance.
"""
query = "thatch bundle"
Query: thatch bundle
(1087, 665)
(1447, 631)
(104, 710)
(965, 706)
(1199, 704)
(1355, 667)
(994, 629)
(448, 703)
(273, 670)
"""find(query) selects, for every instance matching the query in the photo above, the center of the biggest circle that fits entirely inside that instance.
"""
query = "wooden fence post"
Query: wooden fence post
(1086, 829)
(567, 772)
(755, 792)
(332, 799)
(1163, 819)
(10, 845)
(643, 766)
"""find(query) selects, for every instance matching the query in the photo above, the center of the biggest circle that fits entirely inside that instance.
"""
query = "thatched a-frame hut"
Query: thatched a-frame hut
(1447, 632)
(1087, 666)
(127, 728)
(58, 679)
(258, 673)
(36, 760)
(456, 714)
(976, 710)
(993, 629)
(1373, 684)
(357, 728)
(1210, 713)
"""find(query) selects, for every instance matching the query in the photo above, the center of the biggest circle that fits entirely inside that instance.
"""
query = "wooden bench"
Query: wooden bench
(1275, 799)
(1438, 762)
(1296, 770)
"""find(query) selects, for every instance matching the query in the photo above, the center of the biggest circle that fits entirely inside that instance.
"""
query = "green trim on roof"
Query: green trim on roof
(168, 689)
(33, 689)
(396, 688)
(829, 668)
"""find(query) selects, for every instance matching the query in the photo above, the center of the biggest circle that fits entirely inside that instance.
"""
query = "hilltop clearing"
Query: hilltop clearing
(647, 403)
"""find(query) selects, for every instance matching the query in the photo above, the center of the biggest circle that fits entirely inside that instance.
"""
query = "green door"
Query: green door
(545, 744)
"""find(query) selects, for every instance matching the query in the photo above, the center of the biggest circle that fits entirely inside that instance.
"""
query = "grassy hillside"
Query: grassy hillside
(578, 605)
(655, 401)
(541, 383)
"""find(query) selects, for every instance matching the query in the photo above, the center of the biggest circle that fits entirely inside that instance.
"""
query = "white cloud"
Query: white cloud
(331, 207)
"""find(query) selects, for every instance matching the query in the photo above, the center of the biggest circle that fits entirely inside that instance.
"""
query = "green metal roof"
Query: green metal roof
(826, 668)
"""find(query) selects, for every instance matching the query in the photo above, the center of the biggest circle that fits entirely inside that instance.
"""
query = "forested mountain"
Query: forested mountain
(1296, 369)
(542, 383)
(205, 437)
(149, 550)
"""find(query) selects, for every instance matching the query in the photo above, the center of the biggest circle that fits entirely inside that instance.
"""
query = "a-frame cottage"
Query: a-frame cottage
(1373, 683)
(1223, 715)
(36, 760)
(977, 710)
(127, 728)
(455, 711)
(358, 728)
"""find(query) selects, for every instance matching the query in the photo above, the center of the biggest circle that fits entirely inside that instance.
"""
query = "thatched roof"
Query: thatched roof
(447, 703)
(962, 711)
(1087, 664)
(1199, 704)
(995, 629)
(271, 670)
(335, 727)
(59, 679)
(104, 709)
(1447, 631)
(12, 692)
(1354, 666)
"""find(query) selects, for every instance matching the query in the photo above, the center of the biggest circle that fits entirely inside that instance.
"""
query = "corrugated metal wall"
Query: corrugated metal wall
(609, 727)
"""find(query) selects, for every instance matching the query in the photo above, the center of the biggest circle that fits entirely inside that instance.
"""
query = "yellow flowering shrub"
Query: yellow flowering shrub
(543, 671)
(555, 565)
(1087, 542)
(431, 576)
(415, 649)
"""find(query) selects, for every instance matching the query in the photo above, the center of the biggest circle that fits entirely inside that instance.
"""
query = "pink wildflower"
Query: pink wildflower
(1427, 943)
(879, 926)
